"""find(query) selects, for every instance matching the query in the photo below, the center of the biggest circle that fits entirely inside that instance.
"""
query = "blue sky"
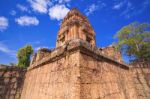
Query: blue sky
(37, 22)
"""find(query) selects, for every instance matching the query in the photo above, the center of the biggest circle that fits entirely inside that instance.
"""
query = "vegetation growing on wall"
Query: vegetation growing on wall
(24, 55)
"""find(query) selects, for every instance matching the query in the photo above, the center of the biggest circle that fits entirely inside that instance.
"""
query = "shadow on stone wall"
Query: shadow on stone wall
(11, 82)
(141, 79)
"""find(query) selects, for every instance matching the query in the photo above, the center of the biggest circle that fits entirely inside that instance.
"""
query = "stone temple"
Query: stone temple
(78, 69)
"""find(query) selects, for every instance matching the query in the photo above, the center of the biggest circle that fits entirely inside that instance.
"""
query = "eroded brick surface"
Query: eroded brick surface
(11, 82)
(101, 79)
(55, 80)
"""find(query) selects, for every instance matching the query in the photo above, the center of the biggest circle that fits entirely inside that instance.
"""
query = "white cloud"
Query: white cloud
(63, 1)
(22, 8)
(118, 6)
(27, 21)
(128, 11)
(58, 12)
(131, 10)
(40, 6)
(93, 7)
(3, 23)
(13, 13)
(5, 49)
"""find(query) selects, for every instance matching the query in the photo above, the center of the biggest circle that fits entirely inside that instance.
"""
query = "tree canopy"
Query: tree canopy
(24, 55)
(134, 41)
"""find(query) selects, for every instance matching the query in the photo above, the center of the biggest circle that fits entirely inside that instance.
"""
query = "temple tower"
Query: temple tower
(75, 26)
(76, 69)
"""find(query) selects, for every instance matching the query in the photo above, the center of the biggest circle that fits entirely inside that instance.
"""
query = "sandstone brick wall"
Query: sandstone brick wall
(102, 79)
(69, 78)
(141, 77)
(11, 81)
(111, 51)
(79, 71)
(54, 80)
(78, 76)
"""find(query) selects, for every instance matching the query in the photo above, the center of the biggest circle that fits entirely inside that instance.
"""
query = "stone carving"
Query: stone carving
(79, 28)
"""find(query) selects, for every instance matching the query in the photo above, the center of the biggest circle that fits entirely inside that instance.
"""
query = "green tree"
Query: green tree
(134, 41)
(24, 55)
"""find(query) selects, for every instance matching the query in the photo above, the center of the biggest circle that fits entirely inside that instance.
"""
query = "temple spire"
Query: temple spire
(75, 26)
